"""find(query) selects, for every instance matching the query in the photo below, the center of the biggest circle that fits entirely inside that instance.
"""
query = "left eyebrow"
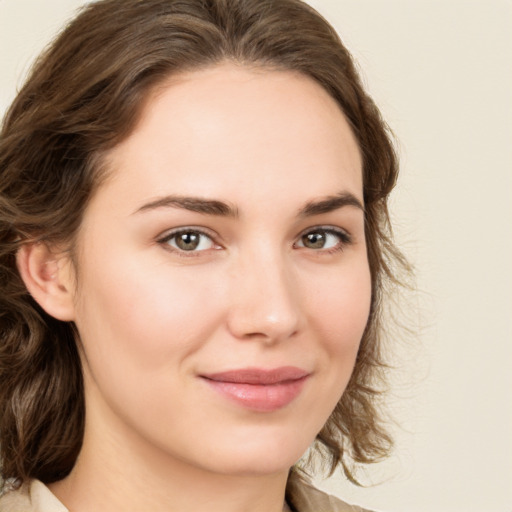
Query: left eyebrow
(330, 204)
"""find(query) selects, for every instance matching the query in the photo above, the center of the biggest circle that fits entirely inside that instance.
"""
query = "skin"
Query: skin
(255, 293)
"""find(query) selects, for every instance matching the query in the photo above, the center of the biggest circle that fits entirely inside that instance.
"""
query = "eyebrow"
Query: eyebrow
(193, 204)
(330, 204)
(222, 209)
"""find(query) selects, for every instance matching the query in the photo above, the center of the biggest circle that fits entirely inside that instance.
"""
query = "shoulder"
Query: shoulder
(32, 496)
(304, 497)
(14, 498)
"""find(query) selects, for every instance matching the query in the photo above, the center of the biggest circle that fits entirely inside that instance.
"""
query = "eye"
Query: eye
(324, 239)
(188, 240)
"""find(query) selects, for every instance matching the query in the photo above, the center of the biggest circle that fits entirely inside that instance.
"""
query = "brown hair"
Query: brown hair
(82, 98)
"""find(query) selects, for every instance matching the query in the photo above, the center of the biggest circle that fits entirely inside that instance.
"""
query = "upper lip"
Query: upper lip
(258, 375)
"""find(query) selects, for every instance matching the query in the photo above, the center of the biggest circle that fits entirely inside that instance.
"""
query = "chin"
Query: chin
(260, 454)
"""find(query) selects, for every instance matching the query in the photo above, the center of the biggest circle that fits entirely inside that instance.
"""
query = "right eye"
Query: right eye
(188, 240)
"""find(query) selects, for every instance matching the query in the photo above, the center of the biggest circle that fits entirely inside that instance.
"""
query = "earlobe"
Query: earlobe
(48, 279)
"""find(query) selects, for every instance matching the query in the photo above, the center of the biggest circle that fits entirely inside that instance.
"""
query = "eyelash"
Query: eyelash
(343, 236)
(181, 231)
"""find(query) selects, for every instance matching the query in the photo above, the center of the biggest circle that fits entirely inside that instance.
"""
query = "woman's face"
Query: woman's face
(223, 276)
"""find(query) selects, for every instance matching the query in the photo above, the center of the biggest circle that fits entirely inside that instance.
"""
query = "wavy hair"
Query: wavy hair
(84, 95)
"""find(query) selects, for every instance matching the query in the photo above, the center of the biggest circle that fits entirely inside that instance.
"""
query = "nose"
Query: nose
(264, 303)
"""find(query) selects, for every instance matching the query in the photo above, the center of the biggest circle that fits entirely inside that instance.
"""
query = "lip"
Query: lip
(258, 389)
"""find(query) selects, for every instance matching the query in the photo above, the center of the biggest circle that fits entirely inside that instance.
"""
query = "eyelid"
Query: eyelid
(168, 235)
(343, 234)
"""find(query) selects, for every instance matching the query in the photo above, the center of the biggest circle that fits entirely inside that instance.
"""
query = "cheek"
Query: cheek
(338, 307)
(341, 305)
(339, 314)
(140, 334)
(145, 320)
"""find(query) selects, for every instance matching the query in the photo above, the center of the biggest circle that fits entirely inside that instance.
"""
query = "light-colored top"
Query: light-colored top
(31, 497)
(34, 496)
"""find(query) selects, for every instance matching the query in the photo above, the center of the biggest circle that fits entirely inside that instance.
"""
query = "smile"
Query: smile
(258, 389)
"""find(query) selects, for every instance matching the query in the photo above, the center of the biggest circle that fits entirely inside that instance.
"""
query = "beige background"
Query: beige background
(442, 74)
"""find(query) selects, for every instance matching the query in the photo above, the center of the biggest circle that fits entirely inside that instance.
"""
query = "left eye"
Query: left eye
(322, 239)
(189, 241)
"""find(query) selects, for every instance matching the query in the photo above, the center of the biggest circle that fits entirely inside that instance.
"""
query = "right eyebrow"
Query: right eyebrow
(193, 204)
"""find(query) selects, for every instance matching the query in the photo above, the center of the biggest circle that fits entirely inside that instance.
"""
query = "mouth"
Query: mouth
(258, 389)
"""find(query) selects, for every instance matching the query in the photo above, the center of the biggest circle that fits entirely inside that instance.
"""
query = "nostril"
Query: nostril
(268, 329)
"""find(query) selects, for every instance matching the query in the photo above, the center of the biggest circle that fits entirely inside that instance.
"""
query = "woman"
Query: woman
(194, 244)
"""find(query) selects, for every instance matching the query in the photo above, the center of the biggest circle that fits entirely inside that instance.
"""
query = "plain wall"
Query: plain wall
(441, 73)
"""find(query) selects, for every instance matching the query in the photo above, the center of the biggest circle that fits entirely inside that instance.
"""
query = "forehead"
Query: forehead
(229, 127)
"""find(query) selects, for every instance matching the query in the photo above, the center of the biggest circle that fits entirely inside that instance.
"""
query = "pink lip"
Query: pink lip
(259, 389)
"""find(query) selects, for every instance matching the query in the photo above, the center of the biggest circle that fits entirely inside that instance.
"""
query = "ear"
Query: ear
(49, 279)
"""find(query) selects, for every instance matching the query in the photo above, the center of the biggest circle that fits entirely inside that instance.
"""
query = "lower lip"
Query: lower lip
(260, 397)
